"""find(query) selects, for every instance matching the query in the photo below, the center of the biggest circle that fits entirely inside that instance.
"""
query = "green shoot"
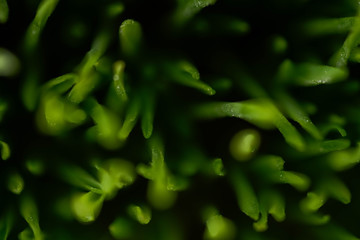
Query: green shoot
(118, 78)
(219, 227)
(159, 194)
(341, 160)
(87, 77)
(80, 178)
(329, 187)
(141, 214)
(342, 56)
(309, 74)
(326, 26)
(61, 84)
(130, 34)
(272, 203)
(185, 74)
(121, 228)
(244, 144)
(327, 146)
(271, 168)
(175, 183)
(246, 197)
(279, 44)
(4, 150)
(56, 115)
(261, 112)
(9, 63)
(131, 117)
(115, 9)
(313, 218)
(29, 212)
(313, 201)
(218, 167)
(295, 112)
(107, 125)
(86, 206)
(6, 223)
(115, 174)
(35, 166)
(148, 112)
(186, 9)
(15, 183)
(45, 9)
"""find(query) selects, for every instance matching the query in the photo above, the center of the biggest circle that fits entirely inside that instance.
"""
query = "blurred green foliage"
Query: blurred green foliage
(179, 119)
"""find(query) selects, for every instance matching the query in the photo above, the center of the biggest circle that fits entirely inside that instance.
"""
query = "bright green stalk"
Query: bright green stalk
(186, 74)
(87, 77)
(4, 150)
(247, 199)
(295, 112)
(29, 211)
(131, 117)
(30, 88)
(261, 112)
(43, 12)
(342, 56)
